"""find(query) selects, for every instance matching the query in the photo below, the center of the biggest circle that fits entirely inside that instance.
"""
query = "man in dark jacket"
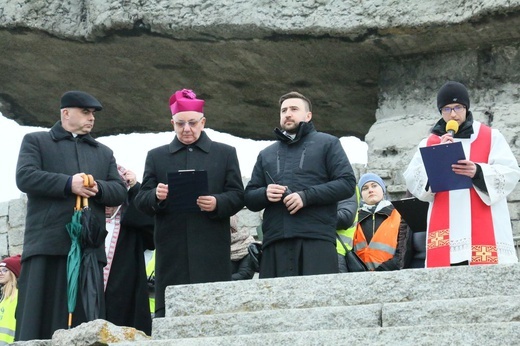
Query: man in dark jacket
(299, 180)
(50, 170)
(192, 246)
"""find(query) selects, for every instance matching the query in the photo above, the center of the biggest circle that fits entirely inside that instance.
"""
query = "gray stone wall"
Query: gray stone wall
(407, 106)
(406, 110)
(238, 55)
(12, 225)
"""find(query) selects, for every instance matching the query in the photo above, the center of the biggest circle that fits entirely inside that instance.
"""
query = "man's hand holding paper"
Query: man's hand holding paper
(465, 167)
(207, 203)
(161, 192)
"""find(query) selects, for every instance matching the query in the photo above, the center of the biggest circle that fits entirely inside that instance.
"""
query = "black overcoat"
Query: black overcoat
(192, 247)
(46, 161)
(126, 294)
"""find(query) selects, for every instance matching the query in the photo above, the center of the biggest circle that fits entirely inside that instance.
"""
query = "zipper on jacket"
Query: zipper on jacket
(373, 225)
(278, 161)
(303, 157)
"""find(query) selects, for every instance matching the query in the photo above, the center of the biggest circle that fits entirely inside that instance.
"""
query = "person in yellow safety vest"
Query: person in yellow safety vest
(9, 272)
(150, 274)
(347, 220)
(381, 236)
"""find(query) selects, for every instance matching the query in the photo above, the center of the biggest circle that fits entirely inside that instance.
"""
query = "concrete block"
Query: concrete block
(516, 228)
(342, 289)
(515, 195)
(17, 212)
(272, 321)
(16, 236)
(452, 311)
(4, 251)
(490, 334)
(3, 224)
(15, 250)
(4, 209)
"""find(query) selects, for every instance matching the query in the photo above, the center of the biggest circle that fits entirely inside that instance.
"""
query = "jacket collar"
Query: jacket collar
(58, 133)
(304, 128)
(203, 143)
(465, 130)
(384, 207)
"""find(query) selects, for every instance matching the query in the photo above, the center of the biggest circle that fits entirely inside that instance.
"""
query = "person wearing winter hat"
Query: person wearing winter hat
(9, 272)
(472, 225)
(371, 177)
(190, 239)
(381, 235)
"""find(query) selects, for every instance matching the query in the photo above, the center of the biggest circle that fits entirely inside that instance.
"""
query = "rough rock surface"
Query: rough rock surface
(93, 333)
(407, 107)
(239, 55)
(97, 332)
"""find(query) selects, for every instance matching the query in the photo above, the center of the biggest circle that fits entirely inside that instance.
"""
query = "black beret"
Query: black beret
(452, 92)
(80, 99)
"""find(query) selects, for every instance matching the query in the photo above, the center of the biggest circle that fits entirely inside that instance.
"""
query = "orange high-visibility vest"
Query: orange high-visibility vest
(383, 244)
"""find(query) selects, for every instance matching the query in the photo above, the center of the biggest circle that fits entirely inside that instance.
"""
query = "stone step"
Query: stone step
(273, 321)
(476, 334)
(343, 290)
(488, 309)
(417, 313)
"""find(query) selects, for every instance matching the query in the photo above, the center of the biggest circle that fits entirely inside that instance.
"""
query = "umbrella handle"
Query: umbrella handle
(88, 181)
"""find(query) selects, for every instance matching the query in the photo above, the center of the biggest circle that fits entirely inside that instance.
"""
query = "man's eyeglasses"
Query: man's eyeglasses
(191, 123)
(458, 109)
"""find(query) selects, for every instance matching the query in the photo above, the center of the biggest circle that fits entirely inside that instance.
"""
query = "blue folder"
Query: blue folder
(437, 160)
(184, 187)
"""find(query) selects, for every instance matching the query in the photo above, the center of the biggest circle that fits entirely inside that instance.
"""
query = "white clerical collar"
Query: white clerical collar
(289, 134)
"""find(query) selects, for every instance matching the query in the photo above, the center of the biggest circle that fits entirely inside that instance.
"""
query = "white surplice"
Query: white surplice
(501, 174)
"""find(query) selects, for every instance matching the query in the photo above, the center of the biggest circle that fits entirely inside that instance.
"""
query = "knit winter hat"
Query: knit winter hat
(452, 92)
(13, 264)
(185, 100)
(365, 178)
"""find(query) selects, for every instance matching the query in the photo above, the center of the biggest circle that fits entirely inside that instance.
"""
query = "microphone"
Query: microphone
(452, 127)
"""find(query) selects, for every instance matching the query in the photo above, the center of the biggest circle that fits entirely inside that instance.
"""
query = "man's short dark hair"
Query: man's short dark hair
(296, 95)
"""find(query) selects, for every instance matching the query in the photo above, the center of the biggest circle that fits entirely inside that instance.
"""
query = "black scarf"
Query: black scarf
(465, 129)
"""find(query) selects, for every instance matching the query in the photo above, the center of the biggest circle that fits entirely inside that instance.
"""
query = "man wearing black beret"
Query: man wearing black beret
(50, 170)
(79, 99)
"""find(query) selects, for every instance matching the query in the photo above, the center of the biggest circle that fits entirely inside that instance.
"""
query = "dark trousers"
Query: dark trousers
(42, 298)
(297, 257)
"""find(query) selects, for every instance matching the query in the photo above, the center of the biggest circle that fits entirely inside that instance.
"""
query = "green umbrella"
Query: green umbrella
(74, 258)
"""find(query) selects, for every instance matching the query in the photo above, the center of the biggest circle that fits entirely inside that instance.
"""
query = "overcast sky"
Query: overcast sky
(130, 151)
